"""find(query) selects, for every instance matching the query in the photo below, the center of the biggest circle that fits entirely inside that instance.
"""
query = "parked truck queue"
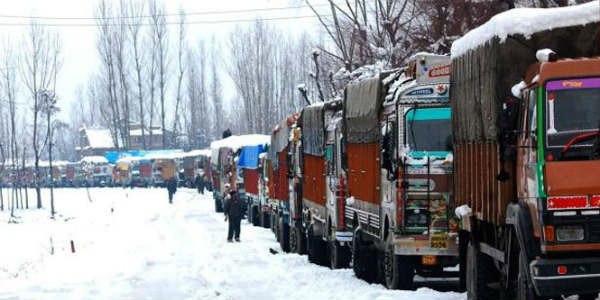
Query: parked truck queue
(486, 159)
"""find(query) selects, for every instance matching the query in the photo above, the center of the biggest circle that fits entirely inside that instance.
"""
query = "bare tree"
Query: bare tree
(108, 78)
(136, 12)
(120, 54)
(40, 49)
(181, 72)
(216, 95)
(160, 36)
(49, 107)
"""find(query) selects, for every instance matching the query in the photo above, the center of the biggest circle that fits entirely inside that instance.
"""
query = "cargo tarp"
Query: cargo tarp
(249, 157)
(313, 130)
(279, 140)
(361, 113)
(482, 77)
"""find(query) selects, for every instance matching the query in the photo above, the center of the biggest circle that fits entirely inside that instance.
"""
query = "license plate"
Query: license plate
(439, 241)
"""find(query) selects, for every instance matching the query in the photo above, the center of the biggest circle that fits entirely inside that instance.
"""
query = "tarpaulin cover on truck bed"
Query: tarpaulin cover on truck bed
(313, 130)
(482, 77)
(361, 111)
(249, 157)
(279, 140)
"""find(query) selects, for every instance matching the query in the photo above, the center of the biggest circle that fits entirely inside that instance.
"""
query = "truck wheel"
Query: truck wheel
(275, 228)
(479, 272)
(250, 213)
(363, 264)
(315, 248)
(264, 220)
(525, 289)
(399, 271)
(255, 216)
(284, 236)
(297, 240)
(218, 206)
(339, 256)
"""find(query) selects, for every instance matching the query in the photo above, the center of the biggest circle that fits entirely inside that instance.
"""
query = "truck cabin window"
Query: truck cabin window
(428, 129)
(573, 115)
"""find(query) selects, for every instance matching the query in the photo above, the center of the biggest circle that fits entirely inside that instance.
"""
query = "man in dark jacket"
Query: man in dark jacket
(233, 212)
(172, 188)
(199, 182)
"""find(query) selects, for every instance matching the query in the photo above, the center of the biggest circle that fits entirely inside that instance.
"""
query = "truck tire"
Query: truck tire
(297, 240)
(255, 216)
(284, 236)
(525, 289)
(275, 227)
(339, 256)
(218, 206)
(315, 248)
(250, 212)
(479, 272)
(264, 219)
(364, 261)
(399, 271)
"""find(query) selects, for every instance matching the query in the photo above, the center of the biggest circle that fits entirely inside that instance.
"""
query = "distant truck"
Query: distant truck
(249, 161)
(224, 155)
(324, 185)
(279, 188)
(526, 144)
(398, 144)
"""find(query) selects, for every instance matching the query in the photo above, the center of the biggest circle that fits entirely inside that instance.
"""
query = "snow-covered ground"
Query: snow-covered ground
(133, 244)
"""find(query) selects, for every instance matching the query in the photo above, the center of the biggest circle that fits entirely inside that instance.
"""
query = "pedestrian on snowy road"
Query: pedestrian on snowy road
(199, 182)
(233, 212)
(172, 188)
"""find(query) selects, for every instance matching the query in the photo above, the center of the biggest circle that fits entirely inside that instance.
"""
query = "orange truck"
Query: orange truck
(398, 147)
(279, 185)
(323, 185)
(526, 111)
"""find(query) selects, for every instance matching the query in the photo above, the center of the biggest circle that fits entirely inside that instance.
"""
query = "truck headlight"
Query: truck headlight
(569, 233)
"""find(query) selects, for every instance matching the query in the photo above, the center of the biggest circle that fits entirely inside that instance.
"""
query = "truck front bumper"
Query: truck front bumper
(582, 276)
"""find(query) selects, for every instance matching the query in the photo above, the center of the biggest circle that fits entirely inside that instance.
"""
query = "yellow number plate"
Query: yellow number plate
(439, 241)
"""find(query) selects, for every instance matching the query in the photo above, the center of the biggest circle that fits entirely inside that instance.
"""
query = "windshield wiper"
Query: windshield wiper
(577, 139)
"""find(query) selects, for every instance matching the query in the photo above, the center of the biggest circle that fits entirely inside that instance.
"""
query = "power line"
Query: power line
(166, 23)
(215, 12)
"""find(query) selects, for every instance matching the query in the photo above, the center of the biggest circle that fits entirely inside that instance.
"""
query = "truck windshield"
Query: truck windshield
(573, 108)
(429, 129)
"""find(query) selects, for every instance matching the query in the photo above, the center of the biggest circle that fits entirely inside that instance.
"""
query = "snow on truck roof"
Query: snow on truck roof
(526, 22)
(94, 160)
(235, 142)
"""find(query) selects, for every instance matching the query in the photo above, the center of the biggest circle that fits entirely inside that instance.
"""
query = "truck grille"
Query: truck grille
(594, 232)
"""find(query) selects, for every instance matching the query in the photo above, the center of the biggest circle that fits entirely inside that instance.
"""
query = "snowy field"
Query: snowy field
(133, 244)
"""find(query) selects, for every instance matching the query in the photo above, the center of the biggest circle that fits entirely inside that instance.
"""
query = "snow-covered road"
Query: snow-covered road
(133, 244)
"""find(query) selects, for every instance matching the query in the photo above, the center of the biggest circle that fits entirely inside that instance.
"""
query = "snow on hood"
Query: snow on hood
(526, 21)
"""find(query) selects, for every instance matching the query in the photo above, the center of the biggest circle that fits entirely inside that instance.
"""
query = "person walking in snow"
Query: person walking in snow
(199, 183)
(233, 212)
(171, 188)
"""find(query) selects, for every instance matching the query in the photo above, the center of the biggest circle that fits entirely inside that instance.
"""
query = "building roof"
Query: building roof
(99, 138)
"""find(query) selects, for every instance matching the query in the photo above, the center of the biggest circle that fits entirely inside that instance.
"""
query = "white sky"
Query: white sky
(79, 54)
